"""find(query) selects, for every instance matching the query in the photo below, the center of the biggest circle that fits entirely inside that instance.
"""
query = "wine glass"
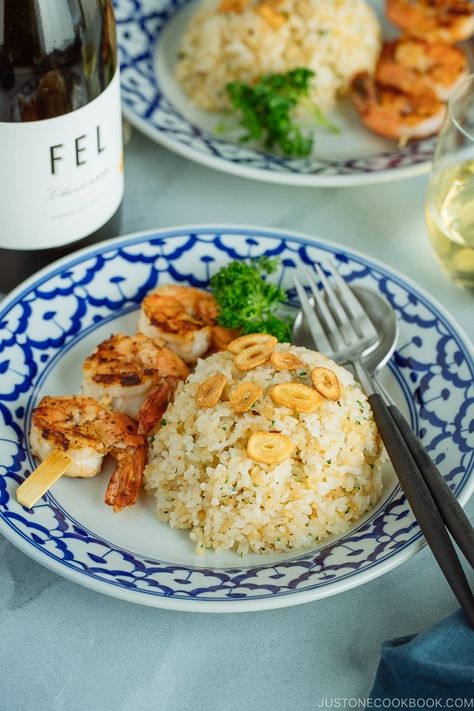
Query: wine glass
(450, 195)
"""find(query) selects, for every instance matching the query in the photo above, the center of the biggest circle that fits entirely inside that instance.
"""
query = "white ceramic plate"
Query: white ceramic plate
(149, 35)
(48, 326)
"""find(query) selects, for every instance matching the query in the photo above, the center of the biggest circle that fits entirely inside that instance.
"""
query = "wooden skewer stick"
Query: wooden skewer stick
(43, 477)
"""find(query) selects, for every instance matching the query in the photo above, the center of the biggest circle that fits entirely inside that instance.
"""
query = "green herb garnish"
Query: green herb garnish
(247, 301)
(265, 111)
(163, 422)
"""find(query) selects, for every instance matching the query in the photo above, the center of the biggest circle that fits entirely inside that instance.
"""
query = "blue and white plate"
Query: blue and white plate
(54, 320)
(149, 34)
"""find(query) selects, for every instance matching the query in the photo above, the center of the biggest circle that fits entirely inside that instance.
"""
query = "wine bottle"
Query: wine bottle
(61, 155)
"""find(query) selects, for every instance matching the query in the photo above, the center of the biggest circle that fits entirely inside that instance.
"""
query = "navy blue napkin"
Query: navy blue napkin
(437, 665)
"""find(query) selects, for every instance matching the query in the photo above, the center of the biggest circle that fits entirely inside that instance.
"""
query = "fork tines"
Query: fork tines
(337, 321)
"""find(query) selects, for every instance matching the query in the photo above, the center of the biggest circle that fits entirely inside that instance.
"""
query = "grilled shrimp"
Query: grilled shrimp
(414, 65)
(221, 337)
(182, 317)
(394, 114)
(127, 370)
(88, 431)
(447, 20)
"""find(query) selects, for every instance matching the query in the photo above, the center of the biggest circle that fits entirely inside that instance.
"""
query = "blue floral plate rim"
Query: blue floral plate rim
(242, 601)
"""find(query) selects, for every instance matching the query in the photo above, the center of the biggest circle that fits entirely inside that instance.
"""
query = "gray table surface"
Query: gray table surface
(65, 647)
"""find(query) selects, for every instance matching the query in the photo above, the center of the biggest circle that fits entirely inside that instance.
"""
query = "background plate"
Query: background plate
(49, 324)
(149, 34)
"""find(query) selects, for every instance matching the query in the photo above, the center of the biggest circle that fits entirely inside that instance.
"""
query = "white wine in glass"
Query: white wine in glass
(450, 196)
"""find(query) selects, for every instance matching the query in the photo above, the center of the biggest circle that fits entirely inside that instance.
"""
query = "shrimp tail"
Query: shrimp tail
(125, 482)
(155, 405)
(364, 90)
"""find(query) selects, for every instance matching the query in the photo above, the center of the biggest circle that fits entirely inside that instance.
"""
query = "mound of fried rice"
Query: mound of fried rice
(204, 481)
(334, 38)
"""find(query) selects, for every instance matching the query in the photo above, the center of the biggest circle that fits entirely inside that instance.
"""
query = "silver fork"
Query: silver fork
(343, 331)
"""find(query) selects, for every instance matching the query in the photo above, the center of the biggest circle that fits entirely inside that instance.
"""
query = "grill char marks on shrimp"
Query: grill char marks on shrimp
(128, 372)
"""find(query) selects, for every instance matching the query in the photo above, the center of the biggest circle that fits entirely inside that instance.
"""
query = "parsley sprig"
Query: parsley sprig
(266, 108)
(247, 300)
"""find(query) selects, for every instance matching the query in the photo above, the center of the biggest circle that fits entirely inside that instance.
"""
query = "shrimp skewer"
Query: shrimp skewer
(446, 20)
(137, 375)
(125, 371)
(415, 66)
(395, 114)
(85, 432)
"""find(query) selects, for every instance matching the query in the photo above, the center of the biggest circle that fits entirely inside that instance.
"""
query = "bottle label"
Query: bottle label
(61, 178)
